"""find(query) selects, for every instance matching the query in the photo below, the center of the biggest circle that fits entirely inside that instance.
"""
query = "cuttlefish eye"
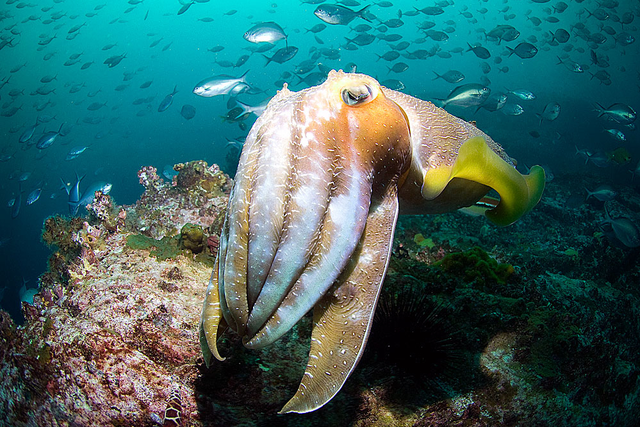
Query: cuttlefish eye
(356, 95)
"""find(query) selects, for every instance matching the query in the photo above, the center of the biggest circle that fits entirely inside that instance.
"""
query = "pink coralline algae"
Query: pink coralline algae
(148, 177)
(101, 206)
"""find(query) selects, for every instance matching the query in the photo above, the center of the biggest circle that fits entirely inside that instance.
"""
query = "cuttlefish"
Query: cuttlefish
(322, 177)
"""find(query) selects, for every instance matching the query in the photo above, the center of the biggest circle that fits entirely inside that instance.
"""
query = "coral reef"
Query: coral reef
(533, 324)
(198, 197)
(192, 238)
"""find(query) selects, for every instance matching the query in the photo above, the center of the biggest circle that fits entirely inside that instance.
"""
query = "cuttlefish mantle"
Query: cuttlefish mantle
(322, 177)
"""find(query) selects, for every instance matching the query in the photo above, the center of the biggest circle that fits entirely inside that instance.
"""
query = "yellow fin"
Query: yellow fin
(477, 162)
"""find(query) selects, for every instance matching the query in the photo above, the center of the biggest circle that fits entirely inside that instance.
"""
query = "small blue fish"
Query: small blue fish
(74, 194)
(15, 209)
(34, 195)
(168, 100)
(75, 152)
(28, 132)
(622, 232)
(48, 138)
(604, 193)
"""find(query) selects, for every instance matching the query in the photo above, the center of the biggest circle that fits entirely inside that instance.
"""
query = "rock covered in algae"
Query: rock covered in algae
(112, 336)
(197, 195)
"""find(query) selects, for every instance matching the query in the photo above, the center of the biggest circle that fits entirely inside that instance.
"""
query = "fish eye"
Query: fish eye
(356, 95)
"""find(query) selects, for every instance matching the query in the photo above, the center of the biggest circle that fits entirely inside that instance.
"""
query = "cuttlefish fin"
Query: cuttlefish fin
(342, 318)
(210, 324)
(477, 162)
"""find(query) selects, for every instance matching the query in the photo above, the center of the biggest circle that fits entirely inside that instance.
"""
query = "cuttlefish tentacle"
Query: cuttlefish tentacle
(333, 132)
(211, 318)
(324, 188)
(342, 319)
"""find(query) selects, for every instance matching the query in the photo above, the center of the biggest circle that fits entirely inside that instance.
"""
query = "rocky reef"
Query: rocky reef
(528, 325)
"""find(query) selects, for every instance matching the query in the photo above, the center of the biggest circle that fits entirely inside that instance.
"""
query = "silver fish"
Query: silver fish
(75, 152)
(620, 113)
(218, 85)
(15, 209)
(471, 94)
(28, 132)
(550, 113)
(451, 76)
(265, 32)
(616, 134)
(34, 196)
(621, 230)
(571, 65)
(335, 14)
(48, 138)
(525, 95)
(603, 193)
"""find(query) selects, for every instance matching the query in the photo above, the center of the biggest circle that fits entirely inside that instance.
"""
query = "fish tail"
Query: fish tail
(600, 109)
(438, 76)
(360, 13)
(511, 51)
(560, 61)
(242, 77)
(589, 193)
(64, 186)
(440, 103)
(267, 58)
(540, 115)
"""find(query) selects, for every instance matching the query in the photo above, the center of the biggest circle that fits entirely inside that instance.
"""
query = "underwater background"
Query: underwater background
(89, 83)
(172, 50)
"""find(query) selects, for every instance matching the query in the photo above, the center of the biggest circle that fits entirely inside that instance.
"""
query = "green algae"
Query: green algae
(475, 265)
(165, 248)
(192, 238)
(58, 231)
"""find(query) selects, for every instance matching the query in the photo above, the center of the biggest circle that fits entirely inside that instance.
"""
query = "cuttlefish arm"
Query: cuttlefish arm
(342, 319)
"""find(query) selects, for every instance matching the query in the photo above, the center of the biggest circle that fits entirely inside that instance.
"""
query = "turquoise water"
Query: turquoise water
(129, 136)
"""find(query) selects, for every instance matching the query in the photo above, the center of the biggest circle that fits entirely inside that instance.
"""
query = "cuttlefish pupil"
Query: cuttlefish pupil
(355, 95)
(313, 211)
